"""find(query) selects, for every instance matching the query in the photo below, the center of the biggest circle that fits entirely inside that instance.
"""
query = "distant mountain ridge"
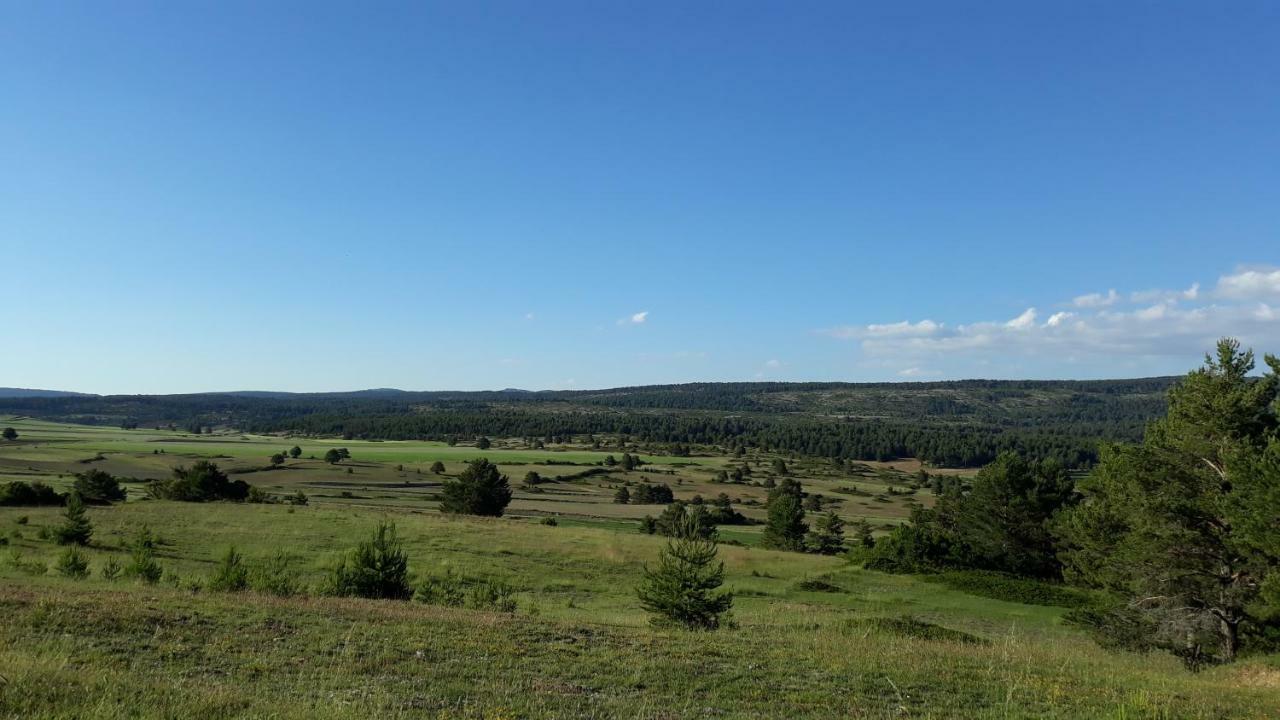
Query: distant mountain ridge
(963, 423)
(8, 392)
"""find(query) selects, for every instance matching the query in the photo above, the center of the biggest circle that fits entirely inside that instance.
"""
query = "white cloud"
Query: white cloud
(915, 372)
(1175, 324)
(1166, 296)
(773, 364)
(1024, 321)
(529, 316)
(639, 318)
(1246, 284)
(898, 329)
(1096, 300)
(1058, 318)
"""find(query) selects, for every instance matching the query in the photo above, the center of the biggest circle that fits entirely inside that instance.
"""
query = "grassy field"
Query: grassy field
(396, 474)
(578, 645)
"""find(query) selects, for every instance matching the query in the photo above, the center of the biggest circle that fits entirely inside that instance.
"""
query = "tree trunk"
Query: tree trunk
(1230, 631)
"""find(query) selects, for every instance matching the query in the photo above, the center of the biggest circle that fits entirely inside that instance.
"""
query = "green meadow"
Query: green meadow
(811, 636)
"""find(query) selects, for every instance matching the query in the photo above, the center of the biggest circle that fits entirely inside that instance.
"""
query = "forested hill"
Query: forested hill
(946, 423)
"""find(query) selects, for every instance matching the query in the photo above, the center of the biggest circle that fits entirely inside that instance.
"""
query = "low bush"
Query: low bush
(492, 595)
(451, 590)
(1010, 588)
(818, 585)
(33, 494)
(73, 564)
(446, 589)
(231, 573)
(28, 567)
(277, 575)
(912, 627)
(142, 565)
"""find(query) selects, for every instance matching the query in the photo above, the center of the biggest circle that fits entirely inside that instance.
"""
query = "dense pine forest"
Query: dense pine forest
(947, 424)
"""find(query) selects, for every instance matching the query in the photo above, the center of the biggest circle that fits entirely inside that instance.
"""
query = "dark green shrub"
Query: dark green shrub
(818, 585)
(34, 494)
(911, 627)
(111, 569)
(96, 487)
(549, 520)
(203, 482)
(258, 496)
(1010, 588)
(379, 568)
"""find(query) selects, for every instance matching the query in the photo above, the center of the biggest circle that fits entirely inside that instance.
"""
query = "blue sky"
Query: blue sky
(314, 196)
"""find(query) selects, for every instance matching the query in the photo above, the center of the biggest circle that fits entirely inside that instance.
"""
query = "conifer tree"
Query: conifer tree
(827, 537)
(76, 528)
(785, 528)
(681, 589)
(479, 490)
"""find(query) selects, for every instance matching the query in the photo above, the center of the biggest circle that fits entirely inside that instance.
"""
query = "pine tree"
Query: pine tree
(142, 561)
(73, 564)
(76, 529)
(862, 531)
(1183, 525)
(479, 490)
(98, 488)
(785, 528)
(379, 568)
(827, 537)
(680, 590)
(623, 496)
(231, 574)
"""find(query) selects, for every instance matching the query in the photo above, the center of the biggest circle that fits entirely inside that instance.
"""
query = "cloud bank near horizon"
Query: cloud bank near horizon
(1155, 323)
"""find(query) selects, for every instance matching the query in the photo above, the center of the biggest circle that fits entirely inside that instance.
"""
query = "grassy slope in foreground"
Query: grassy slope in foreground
(578, 647)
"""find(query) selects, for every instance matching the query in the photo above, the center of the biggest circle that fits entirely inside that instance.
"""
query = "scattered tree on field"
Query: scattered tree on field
(76, 528)
(681, 589)
(295, 452)
(827, 536)
(479, 490)
(9, 434)
(203, 482)
(231, 573)
(378, 568)
(437, 467)
(96, 487)
(785, 528)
